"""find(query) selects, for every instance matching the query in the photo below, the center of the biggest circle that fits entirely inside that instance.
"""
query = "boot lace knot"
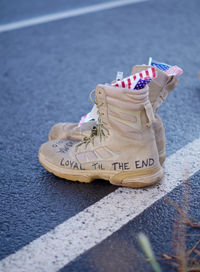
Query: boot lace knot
(98, 130)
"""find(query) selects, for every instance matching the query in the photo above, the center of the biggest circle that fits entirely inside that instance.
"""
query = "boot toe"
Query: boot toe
(49, 152)
(57, 132)
(53, 151)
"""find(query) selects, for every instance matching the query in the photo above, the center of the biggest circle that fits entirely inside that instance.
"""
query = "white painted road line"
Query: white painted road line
(66, 14)
(83, 231)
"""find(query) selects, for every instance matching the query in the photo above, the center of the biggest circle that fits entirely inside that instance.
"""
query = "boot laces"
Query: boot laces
(98, 130)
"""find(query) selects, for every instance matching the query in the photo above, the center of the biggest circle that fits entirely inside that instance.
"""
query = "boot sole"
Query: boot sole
(131, 179)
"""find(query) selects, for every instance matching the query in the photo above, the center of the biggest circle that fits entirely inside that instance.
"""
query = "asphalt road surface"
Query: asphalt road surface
(46, 74)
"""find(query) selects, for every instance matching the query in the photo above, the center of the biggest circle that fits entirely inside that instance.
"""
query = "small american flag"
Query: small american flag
(168, 69)
(83, 120)
(137, 81)
(142, 83)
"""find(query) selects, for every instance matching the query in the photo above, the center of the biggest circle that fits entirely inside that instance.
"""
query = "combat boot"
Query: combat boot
(121, 147)
(159, 88)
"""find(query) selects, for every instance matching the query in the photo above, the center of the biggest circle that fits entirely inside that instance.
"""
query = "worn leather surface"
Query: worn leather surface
(124, 147)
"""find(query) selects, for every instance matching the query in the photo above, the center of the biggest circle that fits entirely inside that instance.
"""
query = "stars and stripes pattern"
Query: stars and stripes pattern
(142, 83)
(83, 120)
(137, 81)
(168, 69)
(174, 71)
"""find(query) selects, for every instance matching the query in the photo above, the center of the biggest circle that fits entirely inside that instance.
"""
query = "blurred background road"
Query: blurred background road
(46, 74)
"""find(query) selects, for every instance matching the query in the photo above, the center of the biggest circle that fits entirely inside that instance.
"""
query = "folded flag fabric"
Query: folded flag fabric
(168, 69)
(174, 71)
(83, 120)
(137, 81)
(91, 116)
(142, 83)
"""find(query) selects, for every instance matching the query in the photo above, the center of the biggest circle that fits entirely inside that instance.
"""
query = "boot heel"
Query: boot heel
(138, 178)
(162, 157)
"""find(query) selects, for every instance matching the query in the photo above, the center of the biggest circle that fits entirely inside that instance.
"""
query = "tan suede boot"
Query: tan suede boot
(159, 88)
(121, 148)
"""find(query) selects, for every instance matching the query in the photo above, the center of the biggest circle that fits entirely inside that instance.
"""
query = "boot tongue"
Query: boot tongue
(87, 126)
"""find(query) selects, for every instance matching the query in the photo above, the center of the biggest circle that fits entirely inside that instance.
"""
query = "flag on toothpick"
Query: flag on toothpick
(168, 69)
(137, 81)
